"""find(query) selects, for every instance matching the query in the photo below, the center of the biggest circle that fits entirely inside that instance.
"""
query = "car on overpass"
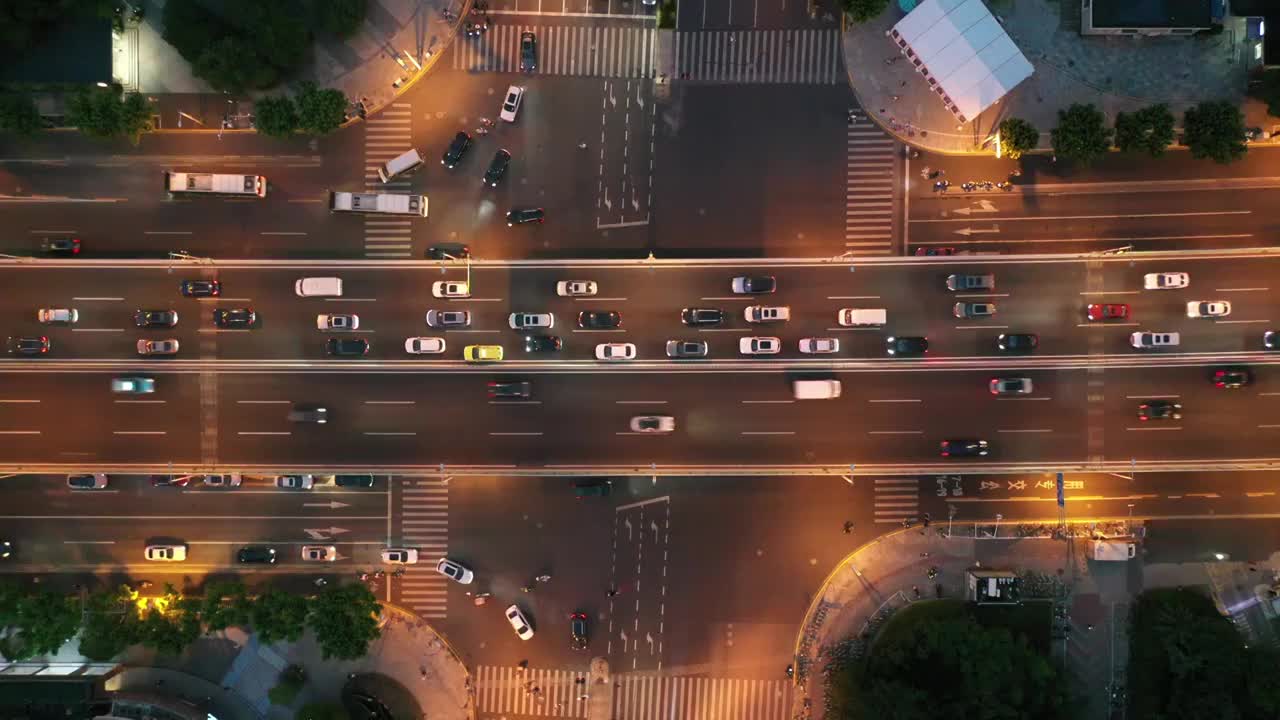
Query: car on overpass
(64, 246)
(966, 447)
(1165, 281)
(133, 385)
(482, 353)
(1160, 410)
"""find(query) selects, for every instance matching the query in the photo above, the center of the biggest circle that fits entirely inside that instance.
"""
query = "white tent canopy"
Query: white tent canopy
(963, 53)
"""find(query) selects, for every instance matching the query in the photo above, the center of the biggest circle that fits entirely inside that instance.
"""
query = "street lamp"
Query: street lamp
(999, 517)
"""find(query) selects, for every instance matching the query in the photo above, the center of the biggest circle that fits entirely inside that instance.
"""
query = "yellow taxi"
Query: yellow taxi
(482, 353)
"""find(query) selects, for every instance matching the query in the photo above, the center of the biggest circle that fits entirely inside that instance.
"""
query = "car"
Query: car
(200, 288)
(57, 315)
(231, 480)
(974, 309)
(528, 52)
(234, 318)
(448, 318)
(6, 549)
(1010, 386)
(754, 284)
(133, 385)
(166, 553)
(1097, 312)
(599, 320)
(524, 321)
(337, 322)
(576, 288)
(155, 318)
(347, 347)
(256, 554)
(87, 481)
(497, 167)
(961, 281)
(455, 571)
(542, 343)
(302, 413)
(701, 317)
(1165, 281)
(1017, 342)
(319, 553)
(686, 348)
(1160, 410)
(448, 251)
(400, 556)
(963, 448)
(1232, 378)
(482, 353)
(1271, 340)
(519, 622)
(511, 105)
(158, 347)
(759, 345)
(65, 246)
(819, 346)
(653, 424)
(295, 482)
(424, 345)
(1146, 340)
(457, 148)
(615, 351)
(451, 289)
(932, 252)
(510, 389)
(358, 480)
(907, 345)
(578, 631)
(525, 215)
(1208, 308)
(180, 481)
(766, 313)
(591, 488)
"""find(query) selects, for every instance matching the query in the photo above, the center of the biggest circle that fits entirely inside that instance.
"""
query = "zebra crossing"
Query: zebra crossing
(506, 689)
(869, 184)
(896, 499)
(809, 57)
(387, 134)
(562, 50)
(424, 524)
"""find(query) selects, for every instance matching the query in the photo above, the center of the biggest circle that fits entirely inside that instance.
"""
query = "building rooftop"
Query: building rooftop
(77, 51)
(1152, 13)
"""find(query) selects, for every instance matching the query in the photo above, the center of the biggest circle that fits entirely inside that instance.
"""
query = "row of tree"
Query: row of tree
(344, 619)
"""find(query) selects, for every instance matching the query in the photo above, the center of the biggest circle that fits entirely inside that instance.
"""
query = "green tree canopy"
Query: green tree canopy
(345, 620)
(1082, 134)
(1148, 130)
(18, 113)
(246, 45)
(109, 113)
(278, 615)
(111, 624)
(225, 604)
(1267, 89)
(863, 10)
(321, 711)
(46, 621)
(275, 116)
(172, 622)
(320, 111)
(339, 17)
(1214, 129)
(1017, 136)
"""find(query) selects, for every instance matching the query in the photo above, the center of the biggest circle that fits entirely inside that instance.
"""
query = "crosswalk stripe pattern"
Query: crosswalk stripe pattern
(562, 50)
(869, 170)
(424, 525)
(896, 499)
(507, 689)
(387, 134)
(808, 57)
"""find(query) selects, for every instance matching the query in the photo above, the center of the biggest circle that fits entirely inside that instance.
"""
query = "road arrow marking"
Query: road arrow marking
(332, 505)
(324, 533)
(977, 231)
(984, 206)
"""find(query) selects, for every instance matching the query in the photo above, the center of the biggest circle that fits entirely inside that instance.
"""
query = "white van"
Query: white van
(399, 165)
(767, 313)
(816, 389)
(318, 287)
(1143, 340)
(862, 317)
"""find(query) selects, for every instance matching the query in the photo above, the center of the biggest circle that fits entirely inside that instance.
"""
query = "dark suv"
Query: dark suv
(235, 317)
(526, 215)
(29, 345)
(528, 52)
(347, 347)
(155, 318)
(599, 320)
(963, 448)
(456, 150)
(542, 343)
(66, 246)
(257, 554)
(701, 317)
(363, 480)
(200, 288)
(497, 168)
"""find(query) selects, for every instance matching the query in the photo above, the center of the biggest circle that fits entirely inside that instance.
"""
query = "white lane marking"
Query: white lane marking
(592, 298)
(1241, 322)
(263, 402)
(731, 297)
(1268, 393)
(848, 329)
(767, 402)
(853, 297)
(515, 434)
(391, 434)
(1269, 426)
(263, 432)
(268, 232)
(1093, 217)
(1152, 428)
(1259, 289)
(640, 402)
(97, 329)
(105, 299)
(973, 295)
(390, 402)
(1150, 397)
(138, 432)
(166, 232)
(222, 299)
(1024, 398)
(724, 329)
(515, 402)
(19, 432)
(350, 299)
(1105, 325)
(628, 432)
(1026, 430)
(1111, 292)
(905, 400)
(471, 299)
(982, 327)
(767, 432)
(473, 331)
(895, 432)
(88, 542)
(142, 402)
(614, 330)
(19, 401)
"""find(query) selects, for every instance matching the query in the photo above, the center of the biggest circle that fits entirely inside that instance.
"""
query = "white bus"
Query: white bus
(393, 203)
(214, 184)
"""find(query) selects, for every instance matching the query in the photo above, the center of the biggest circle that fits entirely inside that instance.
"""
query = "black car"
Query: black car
(591, 488)
(578, 631)
(201, 288)
(455, 251)
(701, 317)
(754, 284)
(528, 52)
(155, 318)
(1018, 342)
(526, 215)
(510, 390)
(309, 414)
(66, 246)
(29, 345)
(6, 549)
(359, 480)
(1160, 410)
(1232, 378)
(258, 554)
(599, 320)
(497, 168)
(347, 347)
(907, 345)
(542, 343)
(456, 150)
(963, 448)
(235, 318)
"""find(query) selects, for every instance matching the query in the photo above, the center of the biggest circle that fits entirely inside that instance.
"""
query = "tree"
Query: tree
(275, 116)
(111, 624)
(320, 111)
(864, 10)
(249, 45)
(18, 113)
(278, 615)
(190, 28)
(46, 621)
(230, 64)
(171, 622)
(108, 112)
(345, 620)
(225, 604)
(1214, 129)
(1267, 89)
(339, 17)
(1082, 134)
(1017, 136)
(1148, 130)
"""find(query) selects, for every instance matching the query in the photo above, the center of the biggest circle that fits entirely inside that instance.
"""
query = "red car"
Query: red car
(1110, 311)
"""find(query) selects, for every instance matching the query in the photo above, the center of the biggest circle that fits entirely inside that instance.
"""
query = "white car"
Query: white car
(455, 571)
(1165, 280)
(616, 351)
(766, 313)
(319, 553)
(653, 424)
(524, 321)
(424, 345)
(337, 322)
(576, 288)
(511, 105)
(450, 289)
(519, 622)
(759, 346)
(1010, 386)
(1208, 308)
(296, 482)
(133, 385)
(819, 346)
(158, 347)
(1144, 340)
(166, 553)
(400, 556)
(57, 315)
(232, 480)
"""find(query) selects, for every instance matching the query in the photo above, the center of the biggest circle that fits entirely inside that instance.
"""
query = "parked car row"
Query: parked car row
(99, 481)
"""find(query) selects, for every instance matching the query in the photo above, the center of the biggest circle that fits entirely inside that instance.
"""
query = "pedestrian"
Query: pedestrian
(924, 554)
(612, 592)
(848, 527)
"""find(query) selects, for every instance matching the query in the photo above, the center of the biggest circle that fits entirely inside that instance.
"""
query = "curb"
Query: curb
(470, 684)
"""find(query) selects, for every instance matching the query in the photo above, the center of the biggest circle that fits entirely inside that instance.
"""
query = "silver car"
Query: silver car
(448, 318)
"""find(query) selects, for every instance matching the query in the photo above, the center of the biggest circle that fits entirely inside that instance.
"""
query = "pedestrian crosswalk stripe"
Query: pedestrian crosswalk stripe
(760, 56)
(869, 188)
(562, 50)
(421, 588)
(896, 499)
(387, 134)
